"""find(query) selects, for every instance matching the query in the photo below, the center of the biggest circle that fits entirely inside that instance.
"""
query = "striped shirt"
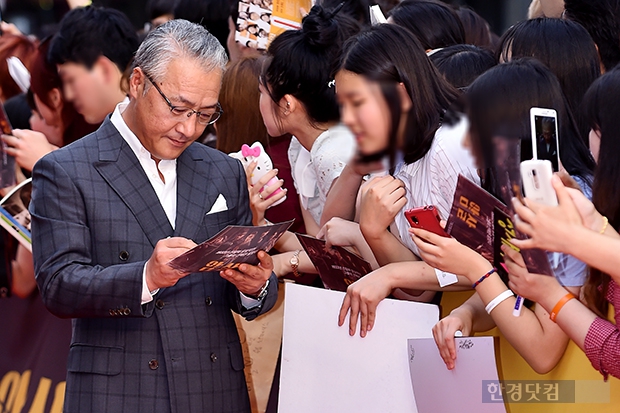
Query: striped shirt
(432, 179)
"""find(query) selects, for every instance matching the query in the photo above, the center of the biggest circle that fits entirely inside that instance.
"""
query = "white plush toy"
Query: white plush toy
(256, 152)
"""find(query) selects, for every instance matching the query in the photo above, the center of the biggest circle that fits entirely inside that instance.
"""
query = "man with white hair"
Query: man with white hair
(112, 209)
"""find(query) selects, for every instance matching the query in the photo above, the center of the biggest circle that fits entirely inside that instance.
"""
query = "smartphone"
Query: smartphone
(536, 175)
(427, 218)
(545, 143)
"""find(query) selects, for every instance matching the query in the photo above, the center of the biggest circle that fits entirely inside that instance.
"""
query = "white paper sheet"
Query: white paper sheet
(326, 370)
(439, 390)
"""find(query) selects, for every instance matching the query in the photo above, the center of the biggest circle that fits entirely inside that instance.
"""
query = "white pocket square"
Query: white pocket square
(219, 205)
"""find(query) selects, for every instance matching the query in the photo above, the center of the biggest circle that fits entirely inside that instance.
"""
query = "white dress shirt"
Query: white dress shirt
(165, 189)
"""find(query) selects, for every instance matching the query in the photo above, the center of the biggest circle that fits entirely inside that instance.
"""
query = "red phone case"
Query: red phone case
(427, 218)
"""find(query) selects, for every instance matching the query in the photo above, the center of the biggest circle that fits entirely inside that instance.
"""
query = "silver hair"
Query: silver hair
(179, 39)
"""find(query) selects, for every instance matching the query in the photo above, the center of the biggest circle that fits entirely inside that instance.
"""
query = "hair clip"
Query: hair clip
(331, 83)
(336, 10)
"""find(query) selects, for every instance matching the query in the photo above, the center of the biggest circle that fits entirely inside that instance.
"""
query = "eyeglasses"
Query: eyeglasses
(207, 117)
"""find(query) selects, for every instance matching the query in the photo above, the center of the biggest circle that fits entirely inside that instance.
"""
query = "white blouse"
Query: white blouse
(314, 171)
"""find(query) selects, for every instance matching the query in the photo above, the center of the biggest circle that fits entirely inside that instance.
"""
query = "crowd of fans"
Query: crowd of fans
(364, 122)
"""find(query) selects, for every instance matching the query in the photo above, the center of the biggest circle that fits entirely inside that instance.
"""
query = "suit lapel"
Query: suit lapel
(196, 191)
(120, 168)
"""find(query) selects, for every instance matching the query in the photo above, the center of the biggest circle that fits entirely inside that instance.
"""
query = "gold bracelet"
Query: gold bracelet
(295, 263)
(605, 223)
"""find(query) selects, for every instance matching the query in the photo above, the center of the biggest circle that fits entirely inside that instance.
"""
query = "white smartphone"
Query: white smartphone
(545, 143)
(536, 176)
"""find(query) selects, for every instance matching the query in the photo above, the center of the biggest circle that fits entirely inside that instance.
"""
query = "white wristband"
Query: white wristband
(498, 300)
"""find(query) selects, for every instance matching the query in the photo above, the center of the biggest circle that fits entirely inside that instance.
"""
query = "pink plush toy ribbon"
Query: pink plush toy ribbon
(247, 151)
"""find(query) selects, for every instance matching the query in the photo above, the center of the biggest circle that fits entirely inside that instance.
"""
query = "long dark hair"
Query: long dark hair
(461, 64)
(499, 103)
(389, 54)
(602, 107)
(300, 62)
(600, 19)
(433, 23)
(566, 48)
(476, 28)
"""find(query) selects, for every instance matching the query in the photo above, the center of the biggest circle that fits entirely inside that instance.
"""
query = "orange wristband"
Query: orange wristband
(559, 305)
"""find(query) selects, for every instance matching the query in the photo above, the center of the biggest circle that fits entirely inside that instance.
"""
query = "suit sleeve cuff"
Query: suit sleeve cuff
(147, 296)
(247, 302)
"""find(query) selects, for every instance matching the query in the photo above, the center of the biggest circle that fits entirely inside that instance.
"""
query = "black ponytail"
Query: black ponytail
(319, 29)
(300, 63)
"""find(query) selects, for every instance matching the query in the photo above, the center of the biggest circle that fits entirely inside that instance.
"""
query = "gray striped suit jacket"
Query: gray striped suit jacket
(95, 222)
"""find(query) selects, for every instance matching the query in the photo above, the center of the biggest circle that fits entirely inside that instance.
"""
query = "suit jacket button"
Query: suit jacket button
(159, 304)
(213, 357)
(208, 301)
(123, 255)
(153, 364)
(126, 311)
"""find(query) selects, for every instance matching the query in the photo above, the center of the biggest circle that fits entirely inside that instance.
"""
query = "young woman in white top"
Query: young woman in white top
(297, 97)
(394, 101)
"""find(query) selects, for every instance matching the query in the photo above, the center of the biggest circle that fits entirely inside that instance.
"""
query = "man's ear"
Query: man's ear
(405, 100)
(110, 73)
(137, 81)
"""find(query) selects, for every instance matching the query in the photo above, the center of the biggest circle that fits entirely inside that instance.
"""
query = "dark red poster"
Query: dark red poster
(229, 248)
(472, 222)
(337, 267)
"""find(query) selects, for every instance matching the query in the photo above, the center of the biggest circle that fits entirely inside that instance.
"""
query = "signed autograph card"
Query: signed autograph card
(467, 384)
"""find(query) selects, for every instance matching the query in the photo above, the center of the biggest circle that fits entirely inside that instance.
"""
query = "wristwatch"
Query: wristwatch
(295, 263)
(261, 294)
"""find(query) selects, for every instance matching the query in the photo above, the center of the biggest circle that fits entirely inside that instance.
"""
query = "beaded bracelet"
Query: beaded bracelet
(485, 276)
(559, 305)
